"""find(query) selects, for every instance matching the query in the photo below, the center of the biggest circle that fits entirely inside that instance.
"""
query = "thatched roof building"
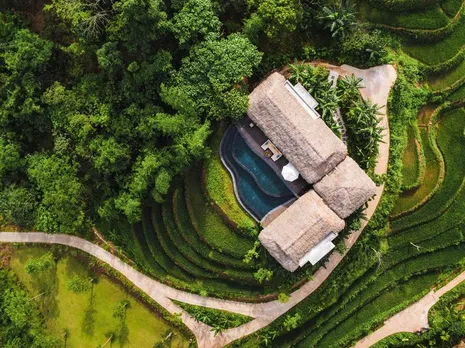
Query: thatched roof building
(306, 142)
(346, 188)
(298, 229)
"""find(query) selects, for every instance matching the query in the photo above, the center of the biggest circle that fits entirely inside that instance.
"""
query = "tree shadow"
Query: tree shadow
(88, 323)
(45, 284)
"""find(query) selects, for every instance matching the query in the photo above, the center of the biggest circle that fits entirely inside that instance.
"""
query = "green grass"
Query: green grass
(451, 143)
(68, 309)
(209, 225)
(436, 53)
(219, 187)
(411, 160)
(147, 258)
(409, 199)
(432, 18)
(451, 7)
(441, 81)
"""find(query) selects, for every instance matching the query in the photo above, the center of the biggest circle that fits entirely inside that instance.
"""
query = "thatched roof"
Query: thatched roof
(298, 229)
(346, 188)
(306, 142)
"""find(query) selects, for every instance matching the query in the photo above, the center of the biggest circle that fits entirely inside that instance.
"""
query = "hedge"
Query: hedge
(208, 224)
(181, 218)
(457, 95)
(432, 18)
(449, 138)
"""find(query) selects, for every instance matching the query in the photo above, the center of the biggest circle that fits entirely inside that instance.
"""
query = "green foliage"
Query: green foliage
(18, 205)
(292, 322)
(211, 75)
(40, 264)
(214, 317)
(196, 20)
(276, 18)
(61, 191)
(79, 285)
(283, 297)
(404, 5)
(263, 275)
(339, 18)
(21, 323)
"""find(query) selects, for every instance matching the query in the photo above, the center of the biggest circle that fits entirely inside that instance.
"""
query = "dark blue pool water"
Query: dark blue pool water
(264, 176)
(258, 186)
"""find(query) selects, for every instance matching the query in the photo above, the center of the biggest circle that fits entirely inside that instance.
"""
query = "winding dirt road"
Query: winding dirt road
(378, 82)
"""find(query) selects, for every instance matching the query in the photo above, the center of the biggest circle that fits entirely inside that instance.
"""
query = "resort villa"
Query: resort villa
(292, 173)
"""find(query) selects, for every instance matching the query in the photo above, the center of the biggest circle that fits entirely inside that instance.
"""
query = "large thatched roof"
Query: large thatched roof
(346, 188)
(306, 142)
(298, 229)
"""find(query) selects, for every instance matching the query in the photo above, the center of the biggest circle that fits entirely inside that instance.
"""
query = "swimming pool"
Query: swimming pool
(259, 188)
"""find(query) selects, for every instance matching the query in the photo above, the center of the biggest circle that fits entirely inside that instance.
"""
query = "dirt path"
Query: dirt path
(378, 82)
(411, 319)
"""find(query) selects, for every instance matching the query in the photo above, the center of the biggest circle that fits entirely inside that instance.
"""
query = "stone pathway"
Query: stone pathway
(411, 319)
(378, 81)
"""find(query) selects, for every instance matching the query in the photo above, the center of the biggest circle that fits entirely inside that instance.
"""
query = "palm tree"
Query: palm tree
(339, 18)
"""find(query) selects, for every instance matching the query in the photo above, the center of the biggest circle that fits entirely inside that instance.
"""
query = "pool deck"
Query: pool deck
(255, 137)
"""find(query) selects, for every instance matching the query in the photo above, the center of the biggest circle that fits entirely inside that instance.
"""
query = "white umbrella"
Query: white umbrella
(289, 172)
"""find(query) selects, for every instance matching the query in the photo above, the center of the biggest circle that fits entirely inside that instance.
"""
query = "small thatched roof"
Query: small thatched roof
(346, 188)
(306, 142)
(298, 229)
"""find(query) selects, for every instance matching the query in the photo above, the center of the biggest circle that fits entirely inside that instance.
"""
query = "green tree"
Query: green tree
(195, 21)
(212, 75)
(275, 18)
(18, 205)
(79, 285)
(39, 264)
(56, 178)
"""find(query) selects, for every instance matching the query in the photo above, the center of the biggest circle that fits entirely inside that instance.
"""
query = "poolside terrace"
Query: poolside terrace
(255, 137)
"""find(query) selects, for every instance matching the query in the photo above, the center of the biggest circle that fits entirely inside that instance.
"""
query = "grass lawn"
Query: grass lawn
(435, 53)
(411, 160)
(88, 325)
(429, 19)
